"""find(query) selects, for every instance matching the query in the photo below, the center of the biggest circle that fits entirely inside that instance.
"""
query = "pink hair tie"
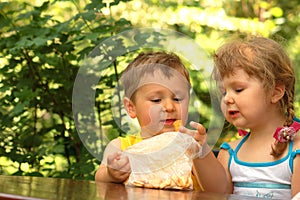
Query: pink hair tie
(242, 132)
(285, 134)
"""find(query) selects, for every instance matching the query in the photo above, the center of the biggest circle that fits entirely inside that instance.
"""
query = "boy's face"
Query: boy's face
(160, 101)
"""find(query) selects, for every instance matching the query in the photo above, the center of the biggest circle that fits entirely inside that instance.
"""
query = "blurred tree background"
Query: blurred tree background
(42, 47)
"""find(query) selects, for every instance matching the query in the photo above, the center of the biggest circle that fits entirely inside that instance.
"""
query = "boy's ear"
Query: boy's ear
(278, 93)
(129, 106)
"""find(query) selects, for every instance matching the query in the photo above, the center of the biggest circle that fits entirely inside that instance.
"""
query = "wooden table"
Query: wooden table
(24, 187)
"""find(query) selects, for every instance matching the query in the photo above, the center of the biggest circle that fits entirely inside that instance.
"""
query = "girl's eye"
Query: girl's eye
(239, 90)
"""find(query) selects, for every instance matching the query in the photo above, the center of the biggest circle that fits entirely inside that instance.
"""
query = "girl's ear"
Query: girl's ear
(129, 106)
(278, 93)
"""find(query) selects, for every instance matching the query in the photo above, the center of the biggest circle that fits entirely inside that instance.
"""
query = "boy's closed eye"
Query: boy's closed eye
(177, 99)
(155, 100)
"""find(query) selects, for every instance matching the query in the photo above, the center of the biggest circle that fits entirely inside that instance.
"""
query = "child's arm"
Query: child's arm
(115, 167)
(223, 158)
(211, 174)
(296, 168)
(209, 171)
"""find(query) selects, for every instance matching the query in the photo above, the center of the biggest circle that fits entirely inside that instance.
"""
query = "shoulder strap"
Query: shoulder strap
(226, 146)
(291, 161)
(297, 151)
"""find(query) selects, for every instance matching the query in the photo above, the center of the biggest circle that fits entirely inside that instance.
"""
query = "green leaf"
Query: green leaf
(19, 108)
(39, 41)
(58, 149)
(34, 174)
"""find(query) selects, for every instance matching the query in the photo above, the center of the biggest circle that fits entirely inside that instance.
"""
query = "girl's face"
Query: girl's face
(159, 102)
(244, 101)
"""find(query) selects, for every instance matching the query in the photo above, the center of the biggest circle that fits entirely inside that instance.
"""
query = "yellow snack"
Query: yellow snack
(162, 162)
(139, 183)
(177, 124)
(165, 183)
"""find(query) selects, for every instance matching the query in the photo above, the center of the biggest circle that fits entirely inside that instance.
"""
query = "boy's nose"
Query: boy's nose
(168, 106)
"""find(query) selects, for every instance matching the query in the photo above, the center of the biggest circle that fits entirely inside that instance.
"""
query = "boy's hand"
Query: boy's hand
(118, 167)
(199, 135)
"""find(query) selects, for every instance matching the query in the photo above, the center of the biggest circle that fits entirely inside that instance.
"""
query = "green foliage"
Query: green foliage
(40, 61)
(42, 49)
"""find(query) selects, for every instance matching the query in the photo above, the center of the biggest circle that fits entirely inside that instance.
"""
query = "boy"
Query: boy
(157, 92)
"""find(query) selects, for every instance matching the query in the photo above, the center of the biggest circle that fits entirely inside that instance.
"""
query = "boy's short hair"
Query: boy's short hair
(148, 63)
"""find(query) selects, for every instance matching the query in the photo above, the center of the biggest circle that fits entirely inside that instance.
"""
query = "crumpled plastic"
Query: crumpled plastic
(163, 161)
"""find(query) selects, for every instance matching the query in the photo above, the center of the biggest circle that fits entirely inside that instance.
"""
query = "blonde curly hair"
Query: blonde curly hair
(266, 60)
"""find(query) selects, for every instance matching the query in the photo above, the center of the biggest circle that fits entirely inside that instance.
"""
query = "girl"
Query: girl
(256, 79)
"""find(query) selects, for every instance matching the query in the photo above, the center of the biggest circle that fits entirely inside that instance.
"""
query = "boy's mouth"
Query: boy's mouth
(169, 121)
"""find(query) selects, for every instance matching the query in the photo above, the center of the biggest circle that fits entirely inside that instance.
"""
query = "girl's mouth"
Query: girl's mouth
(233, 113)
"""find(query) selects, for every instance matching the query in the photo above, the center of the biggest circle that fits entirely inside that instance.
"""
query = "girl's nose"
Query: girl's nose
(228, 98)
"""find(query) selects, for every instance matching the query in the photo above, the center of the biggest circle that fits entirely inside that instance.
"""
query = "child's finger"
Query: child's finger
(111, 158)
(126, 168)
(200, 128)
(182, 129)
(193, 133)
(123, 161)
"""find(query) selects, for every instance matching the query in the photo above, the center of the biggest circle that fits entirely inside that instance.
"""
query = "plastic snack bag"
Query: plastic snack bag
(163, 161)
